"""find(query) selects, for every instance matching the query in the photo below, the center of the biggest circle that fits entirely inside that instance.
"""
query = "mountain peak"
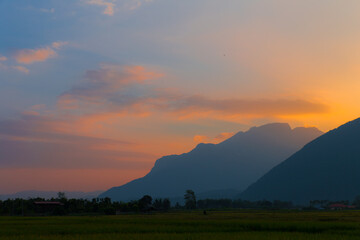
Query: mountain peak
(325, 169)
(272, 127)
(234, 163)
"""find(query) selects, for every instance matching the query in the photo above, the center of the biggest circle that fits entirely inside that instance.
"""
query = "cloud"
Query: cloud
(219, 138)
(109, 6)
(189, 105)
(223, 136)
(30, 153)
(69, 135)
(113, 91)
(107, 86)
(201, 139)
(58, 45)
(29, 56)
(21, 69)
(134, 4)
(36, 142)
(17, 68)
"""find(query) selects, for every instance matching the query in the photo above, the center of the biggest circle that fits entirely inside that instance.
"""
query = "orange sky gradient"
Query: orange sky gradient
(93, 103)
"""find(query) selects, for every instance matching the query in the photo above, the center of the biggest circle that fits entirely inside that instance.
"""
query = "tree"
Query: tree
(61, 195)
(166, 204)
(158, 204)
(190, 199)
(145, 203)
(356, 202)
(162, 204)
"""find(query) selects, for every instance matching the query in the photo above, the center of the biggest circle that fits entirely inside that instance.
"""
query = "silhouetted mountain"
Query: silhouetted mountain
(49, 195)
(327, 168)
(233, 164)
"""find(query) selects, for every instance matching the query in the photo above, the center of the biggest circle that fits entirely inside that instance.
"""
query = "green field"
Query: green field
(188, 225)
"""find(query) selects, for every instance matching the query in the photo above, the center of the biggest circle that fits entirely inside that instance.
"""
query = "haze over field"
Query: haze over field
(93, 92)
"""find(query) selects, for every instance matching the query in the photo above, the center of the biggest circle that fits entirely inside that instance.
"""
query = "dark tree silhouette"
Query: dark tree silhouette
(145, 203)
(190, 199)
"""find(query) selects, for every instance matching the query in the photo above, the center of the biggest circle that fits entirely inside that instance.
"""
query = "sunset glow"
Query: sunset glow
(92, 92)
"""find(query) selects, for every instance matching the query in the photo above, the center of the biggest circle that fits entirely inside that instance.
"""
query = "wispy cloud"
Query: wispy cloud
(29, 56)
(218, 138)
(58, 45)
(189, 105)
(109, 87)
(109, 5)
(134, 4)
(21, 69)
(67, 135)
(113, 90)
(16, 68)
(35, 141)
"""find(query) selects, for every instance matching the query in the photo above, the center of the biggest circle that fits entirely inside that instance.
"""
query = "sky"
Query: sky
(92, 92)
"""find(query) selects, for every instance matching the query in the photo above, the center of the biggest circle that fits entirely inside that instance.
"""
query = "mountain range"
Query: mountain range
(232, 164)
(327, 168)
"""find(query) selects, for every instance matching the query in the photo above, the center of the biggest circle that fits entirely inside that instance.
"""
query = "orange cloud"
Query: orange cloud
(199, 106)
(109, 6)
(106, 88)
(206, 139)
(113, 96)
(223, 136)
(21, 69)
(28, 56)
(36, 141)
(201, 139)
(115, 91)
(3, 58)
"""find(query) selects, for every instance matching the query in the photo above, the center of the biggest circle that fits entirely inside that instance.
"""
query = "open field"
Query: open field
(188, 225)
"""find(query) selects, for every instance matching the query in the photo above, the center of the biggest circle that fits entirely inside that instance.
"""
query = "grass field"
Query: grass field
(188, 225)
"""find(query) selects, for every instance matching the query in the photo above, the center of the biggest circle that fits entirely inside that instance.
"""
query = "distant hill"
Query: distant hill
(233, 164)
(49, 195)
(328, 168)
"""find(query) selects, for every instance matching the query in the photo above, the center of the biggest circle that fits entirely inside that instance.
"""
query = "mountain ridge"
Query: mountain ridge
(232, 164)
(324, 169)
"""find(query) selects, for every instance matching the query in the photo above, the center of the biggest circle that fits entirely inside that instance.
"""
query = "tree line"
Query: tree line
(64, 206)
(104, 206)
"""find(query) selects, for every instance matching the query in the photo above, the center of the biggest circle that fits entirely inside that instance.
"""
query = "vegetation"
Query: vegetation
(249, 224)
(155, 219)
(190, 199)
(104, 206)
(99, 206)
